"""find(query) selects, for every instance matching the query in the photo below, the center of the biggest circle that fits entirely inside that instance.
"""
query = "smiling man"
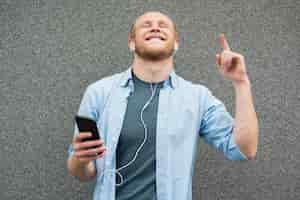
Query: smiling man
(150, 119)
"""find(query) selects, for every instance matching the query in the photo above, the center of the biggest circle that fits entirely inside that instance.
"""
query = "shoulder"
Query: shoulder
(105, 81)
(191, 87)
(104, 84)
(95, 94)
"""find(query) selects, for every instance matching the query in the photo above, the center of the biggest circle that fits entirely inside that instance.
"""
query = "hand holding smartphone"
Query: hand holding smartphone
(87, 144)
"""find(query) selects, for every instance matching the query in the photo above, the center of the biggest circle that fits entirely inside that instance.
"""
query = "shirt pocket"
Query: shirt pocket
(181, 124)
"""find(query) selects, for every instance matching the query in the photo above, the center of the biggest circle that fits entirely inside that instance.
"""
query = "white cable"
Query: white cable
(145, 137)
(117, 171)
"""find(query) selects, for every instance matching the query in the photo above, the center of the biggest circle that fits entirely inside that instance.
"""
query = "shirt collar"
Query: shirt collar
(127, 77)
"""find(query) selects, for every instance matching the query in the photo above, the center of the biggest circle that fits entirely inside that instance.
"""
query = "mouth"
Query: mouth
(155, 37)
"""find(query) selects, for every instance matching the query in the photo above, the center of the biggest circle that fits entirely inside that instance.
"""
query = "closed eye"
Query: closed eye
(146, 25)
(163, 25)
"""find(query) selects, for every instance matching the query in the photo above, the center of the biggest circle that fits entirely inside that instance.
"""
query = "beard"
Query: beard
(154, 54)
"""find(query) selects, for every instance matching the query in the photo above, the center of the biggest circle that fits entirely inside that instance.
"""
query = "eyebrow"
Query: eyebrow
(161, 21)
(135, 23)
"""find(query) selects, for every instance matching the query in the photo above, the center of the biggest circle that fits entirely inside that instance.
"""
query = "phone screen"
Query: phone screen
(86, 124)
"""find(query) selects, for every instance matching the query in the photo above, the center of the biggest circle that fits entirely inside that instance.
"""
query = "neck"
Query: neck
(152, 71)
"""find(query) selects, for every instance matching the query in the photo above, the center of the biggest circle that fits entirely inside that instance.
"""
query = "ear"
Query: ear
(175, 46)
(176, 43)
(131, 43)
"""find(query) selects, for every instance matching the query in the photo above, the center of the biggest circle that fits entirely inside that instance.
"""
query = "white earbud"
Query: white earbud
(132, 49)
(175, 49)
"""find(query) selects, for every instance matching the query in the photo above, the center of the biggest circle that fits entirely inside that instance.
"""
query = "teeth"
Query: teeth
(155, 38)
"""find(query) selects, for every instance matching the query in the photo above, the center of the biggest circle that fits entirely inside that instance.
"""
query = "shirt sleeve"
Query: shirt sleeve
(217, 127)
(87, 108)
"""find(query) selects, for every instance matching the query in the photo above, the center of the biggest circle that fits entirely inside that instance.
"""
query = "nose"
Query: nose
(155, 28)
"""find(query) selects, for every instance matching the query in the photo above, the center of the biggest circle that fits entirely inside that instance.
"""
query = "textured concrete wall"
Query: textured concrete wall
(51, 50)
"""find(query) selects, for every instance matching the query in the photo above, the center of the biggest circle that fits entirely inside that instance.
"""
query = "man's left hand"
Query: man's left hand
(231, 64)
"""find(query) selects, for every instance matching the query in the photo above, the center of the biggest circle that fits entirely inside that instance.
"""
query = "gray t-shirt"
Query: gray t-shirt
(139, 178)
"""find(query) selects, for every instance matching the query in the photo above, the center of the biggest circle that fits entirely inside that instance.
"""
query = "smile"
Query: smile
(155, 37)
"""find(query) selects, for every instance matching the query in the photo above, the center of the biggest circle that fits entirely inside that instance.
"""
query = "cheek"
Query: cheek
(171, 42)
(171, 38)
(139, 39)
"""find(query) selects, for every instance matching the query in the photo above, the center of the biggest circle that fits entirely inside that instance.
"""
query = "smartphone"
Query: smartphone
(86, 124)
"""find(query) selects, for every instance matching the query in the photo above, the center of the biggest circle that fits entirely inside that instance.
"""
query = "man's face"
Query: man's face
(154, 36)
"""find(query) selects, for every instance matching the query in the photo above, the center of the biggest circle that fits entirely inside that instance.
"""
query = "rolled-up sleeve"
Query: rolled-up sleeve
(217, 127)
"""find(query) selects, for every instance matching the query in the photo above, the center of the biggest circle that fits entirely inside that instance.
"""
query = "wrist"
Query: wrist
(79, 164)
(80, 170)
(243, 82)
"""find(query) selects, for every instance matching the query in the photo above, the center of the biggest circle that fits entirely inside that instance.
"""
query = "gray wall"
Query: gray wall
(51, 50)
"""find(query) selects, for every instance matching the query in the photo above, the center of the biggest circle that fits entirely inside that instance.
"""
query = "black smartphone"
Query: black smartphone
(86, 124)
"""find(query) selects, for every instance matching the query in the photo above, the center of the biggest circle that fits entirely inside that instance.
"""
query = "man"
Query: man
(150, 120)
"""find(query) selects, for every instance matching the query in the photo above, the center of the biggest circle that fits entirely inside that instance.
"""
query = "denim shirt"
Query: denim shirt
(186, 112)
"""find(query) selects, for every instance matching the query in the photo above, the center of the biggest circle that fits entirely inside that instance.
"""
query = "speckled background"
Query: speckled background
(51, 50)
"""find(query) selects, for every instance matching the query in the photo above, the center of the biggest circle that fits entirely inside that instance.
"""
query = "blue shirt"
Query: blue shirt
(185, 112)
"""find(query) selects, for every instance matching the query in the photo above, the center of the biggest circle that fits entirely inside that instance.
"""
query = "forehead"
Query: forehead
(153, 16)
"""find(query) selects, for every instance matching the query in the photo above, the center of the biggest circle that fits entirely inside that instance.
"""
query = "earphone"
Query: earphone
(175, 50)
(117, 171)
(145, 137)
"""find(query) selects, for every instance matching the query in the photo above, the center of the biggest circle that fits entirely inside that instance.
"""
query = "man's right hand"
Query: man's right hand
(86, 151)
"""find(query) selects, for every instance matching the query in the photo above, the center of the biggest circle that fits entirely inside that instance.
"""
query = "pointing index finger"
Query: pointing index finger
(224, 42)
